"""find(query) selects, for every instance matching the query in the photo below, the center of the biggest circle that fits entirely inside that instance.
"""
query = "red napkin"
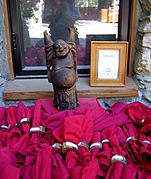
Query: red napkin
(38, 161)
(144, 154)
(115, 115)
(3, 131)
(96, 152)
(14, 133)
(37, 154)
(55, 119)
(23, 112)
(104, 156)
(130, 171)
(75, 129)
(140, 114)
(58, 167)
(8, 165)
(116, 169)
(132, 143)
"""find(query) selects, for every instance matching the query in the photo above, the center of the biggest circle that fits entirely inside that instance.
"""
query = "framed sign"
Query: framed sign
(108, 63)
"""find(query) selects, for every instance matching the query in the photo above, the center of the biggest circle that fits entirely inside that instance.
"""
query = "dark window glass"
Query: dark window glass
(94, 20)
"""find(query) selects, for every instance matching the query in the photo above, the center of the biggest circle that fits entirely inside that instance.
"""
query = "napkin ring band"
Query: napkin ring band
(146, 142)
(130, 138)
(118, 158)
(83, 144)
(57, 146)
(105, 141)
(25, 119)
(37, 129)
(69, 146)
(4, 127)
(96, 145)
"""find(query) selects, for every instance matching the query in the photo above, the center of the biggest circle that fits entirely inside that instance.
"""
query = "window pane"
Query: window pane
(93, 20)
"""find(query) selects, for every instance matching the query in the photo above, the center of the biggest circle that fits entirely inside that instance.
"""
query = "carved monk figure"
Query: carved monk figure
(62, 72)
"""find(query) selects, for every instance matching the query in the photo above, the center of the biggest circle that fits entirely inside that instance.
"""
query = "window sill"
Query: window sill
(31, 89)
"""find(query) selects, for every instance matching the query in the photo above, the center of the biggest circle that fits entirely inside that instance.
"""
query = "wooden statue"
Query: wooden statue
(62, 71)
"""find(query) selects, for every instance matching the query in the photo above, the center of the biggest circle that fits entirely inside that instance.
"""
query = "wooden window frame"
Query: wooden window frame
(122, 37)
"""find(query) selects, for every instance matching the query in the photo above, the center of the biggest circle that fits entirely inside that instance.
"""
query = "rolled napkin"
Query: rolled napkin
(14, 133)
(77, 130)
(140, 115)
(3, 128)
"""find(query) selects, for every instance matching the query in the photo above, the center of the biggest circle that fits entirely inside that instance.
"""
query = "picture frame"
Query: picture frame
(108, 65)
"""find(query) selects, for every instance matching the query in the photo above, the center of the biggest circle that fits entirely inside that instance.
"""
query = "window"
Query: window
(105, 20)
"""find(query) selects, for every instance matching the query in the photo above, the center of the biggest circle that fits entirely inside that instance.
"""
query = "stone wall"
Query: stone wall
(143, 49)
(4, 70)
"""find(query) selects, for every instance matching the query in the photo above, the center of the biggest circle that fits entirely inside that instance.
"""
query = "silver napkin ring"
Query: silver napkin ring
(37, 129)
(83, 144)
(25, 119)
(4, 127)
(96, 145)
(105, 141)
(118, 158)
(57, 146)
(130, 138)
(69, 146)
(146, 142)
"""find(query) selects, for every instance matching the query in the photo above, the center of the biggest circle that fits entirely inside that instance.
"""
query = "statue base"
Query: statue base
(65, 99)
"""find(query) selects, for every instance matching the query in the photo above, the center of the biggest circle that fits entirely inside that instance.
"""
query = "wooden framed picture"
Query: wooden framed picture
(108, 63)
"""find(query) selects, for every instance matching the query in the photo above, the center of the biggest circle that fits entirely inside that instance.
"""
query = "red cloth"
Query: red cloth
(8, 165)
(132, 145)
(54, 118)
(75, 129)
(116, 138)
(59, 169)
(141, 115)
(115, 115)
(24, 112)
(144, 152)
(104, 157)
(115, 171)
(30, 155)
(130, 171)
(3, 132)
(96, 152)
(13, 134)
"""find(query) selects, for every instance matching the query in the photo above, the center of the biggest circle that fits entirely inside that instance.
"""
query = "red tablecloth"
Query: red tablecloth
(90, 142)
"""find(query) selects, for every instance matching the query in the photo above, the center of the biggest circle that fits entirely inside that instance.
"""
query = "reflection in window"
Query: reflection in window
(92, 19)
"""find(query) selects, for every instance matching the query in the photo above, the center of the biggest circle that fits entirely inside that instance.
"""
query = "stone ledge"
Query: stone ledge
(31, 89)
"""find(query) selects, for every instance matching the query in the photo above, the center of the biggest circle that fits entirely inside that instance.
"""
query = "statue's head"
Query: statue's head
(61, 48)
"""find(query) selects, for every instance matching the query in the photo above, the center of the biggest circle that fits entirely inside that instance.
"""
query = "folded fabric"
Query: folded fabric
(140, 114)
(131, 145)
(95, 148)
(112, 117)
(3, 128)
(115, 171)
(13, 134)
(130, 171)
(76, 129)
(9, 168)
(54, 119)
(90, 142)
(144, 154)
(59, 169)
(24, 124)
(118, 159)
(104, 157)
